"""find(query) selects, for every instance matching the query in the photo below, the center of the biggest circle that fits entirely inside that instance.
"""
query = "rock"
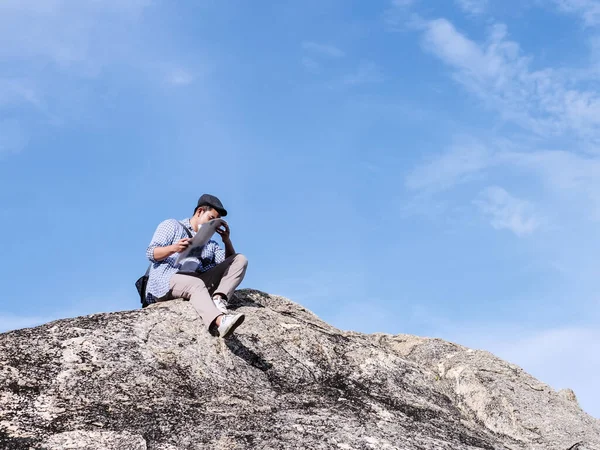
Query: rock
(101, 440)
(155, 379)
(569, 395)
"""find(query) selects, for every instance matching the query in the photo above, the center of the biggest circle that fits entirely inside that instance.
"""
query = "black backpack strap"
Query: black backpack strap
(188, 232)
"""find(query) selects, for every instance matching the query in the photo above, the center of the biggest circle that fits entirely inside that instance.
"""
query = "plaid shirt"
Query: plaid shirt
(169, 232)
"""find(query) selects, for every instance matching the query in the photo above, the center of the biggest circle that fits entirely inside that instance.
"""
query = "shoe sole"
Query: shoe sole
(234, 325)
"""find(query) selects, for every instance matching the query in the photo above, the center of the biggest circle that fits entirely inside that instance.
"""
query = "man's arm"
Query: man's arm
(224, 232)
(162, 246)
(162, 253)
(229, 250)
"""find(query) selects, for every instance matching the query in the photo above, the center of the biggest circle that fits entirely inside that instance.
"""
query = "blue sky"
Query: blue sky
(405, 166)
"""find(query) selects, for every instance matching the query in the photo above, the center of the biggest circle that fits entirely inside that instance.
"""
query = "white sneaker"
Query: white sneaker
(220, 304)
(229, 322)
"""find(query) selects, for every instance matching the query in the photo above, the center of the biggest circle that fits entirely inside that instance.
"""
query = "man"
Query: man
(217, 274)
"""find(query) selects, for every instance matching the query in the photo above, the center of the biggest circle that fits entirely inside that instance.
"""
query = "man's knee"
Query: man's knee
(241, 259)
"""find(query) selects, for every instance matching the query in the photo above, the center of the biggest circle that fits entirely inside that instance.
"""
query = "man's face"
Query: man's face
(207, 216)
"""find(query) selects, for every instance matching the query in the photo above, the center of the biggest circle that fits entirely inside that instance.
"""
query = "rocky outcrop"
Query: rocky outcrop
(155, 379)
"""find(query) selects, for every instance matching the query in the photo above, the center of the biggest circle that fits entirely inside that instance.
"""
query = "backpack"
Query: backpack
(142, 281)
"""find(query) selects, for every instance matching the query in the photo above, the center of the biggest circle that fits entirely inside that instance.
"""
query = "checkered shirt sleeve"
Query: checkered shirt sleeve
(164, 235)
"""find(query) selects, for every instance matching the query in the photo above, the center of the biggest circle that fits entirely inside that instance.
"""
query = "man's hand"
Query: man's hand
(162, 253)
(224, 232)
(180, 246)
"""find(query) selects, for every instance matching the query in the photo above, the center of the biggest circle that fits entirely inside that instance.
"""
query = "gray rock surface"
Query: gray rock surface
(155, 379)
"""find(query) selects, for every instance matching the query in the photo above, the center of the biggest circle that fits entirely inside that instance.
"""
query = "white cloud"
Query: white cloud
(464, 161)
(180, 77)
(13, 137)
(507, 212)
(314, 61)
(315, 53)
(15, 92)
(367, 72)
(568, 180)
(323, 49)
(52, 45)
(64, 32)
(403, 3)
(588, 9)
(545, 101)
(473, 7)
(310, 64)
(399, 17)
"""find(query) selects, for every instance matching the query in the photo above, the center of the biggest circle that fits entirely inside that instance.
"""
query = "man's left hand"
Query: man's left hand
(224, 232)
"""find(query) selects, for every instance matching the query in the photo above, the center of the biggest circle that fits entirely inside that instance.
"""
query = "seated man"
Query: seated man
(219, 272)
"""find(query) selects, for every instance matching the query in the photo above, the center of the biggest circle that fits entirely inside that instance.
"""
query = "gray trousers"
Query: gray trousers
(199, 288)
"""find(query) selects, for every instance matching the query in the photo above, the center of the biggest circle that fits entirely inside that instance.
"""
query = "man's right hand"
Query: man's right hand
(162, 253)
(181, 245)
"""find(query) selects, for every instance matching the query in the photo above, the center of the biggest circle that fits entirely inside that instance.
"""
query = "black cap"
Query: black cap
(213, 201)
